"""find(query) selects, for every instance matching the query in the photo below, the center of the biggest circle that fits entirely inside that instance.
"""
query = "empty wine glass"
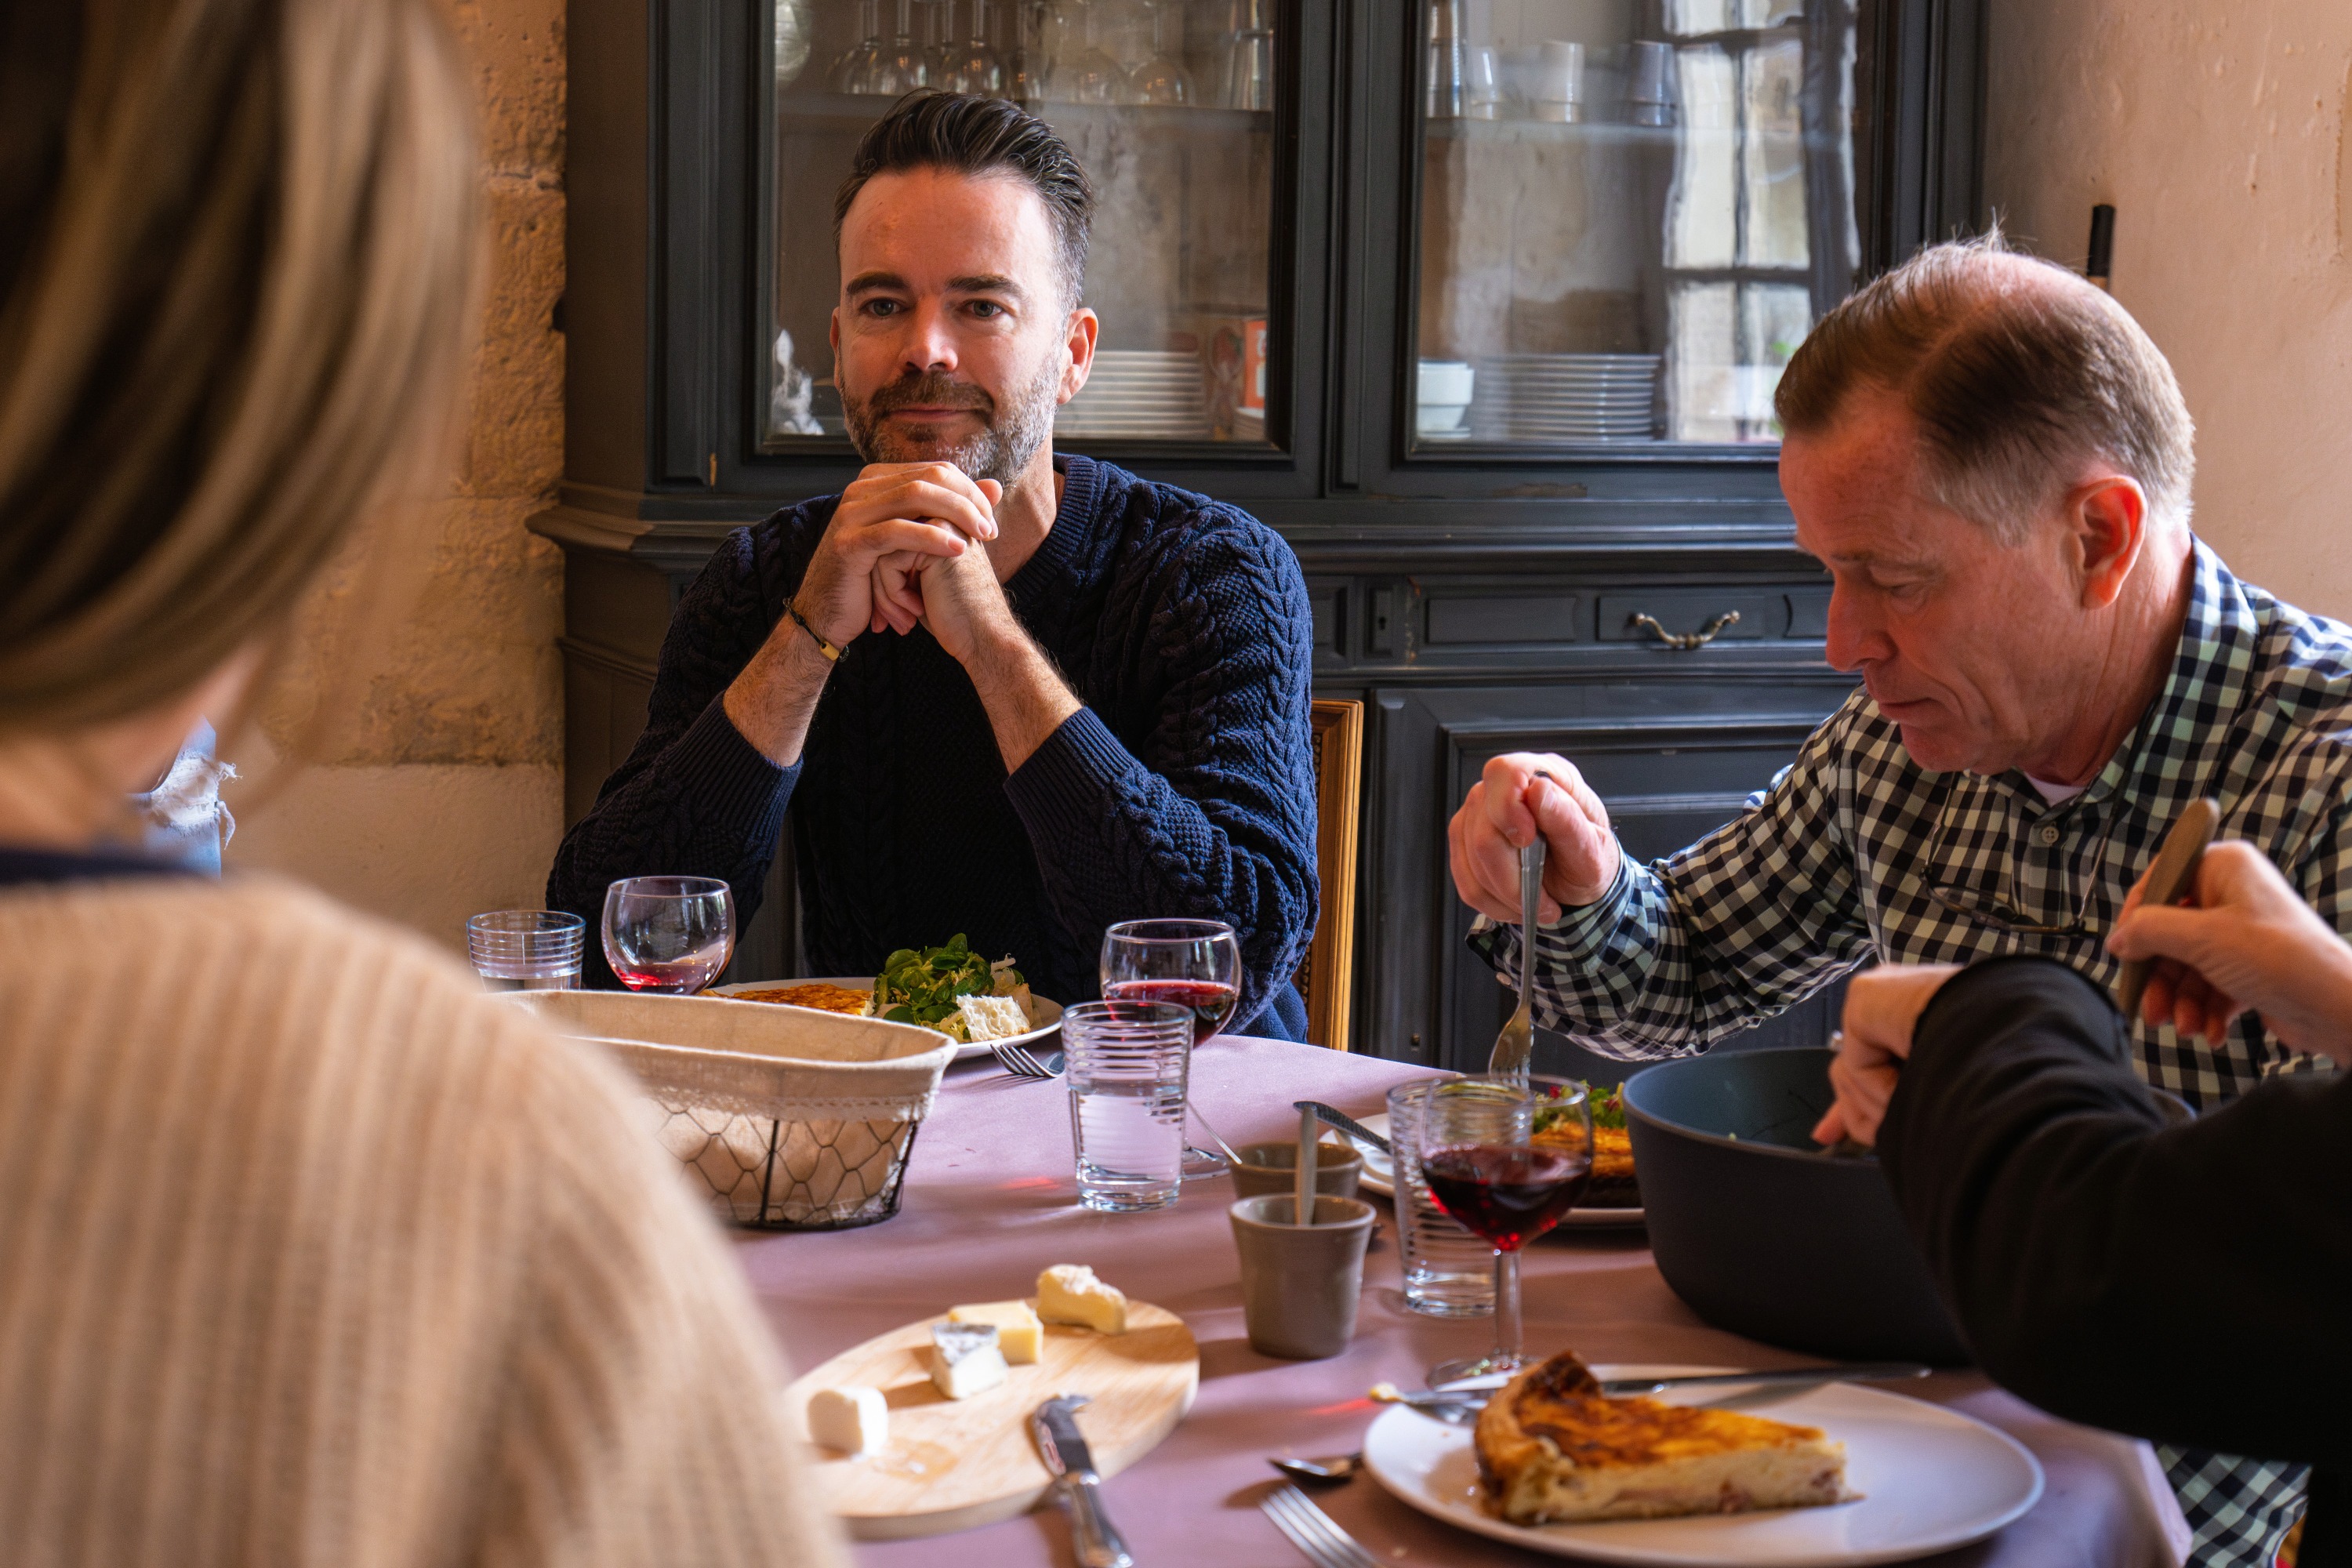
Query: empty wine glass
(1162, 79)
(863, 58)
(1507, 1157)
(1025, 64)
(669, 934)
(1088, 74)
(974, 67)
(1195, 964)
(939, 40)
(898, 67)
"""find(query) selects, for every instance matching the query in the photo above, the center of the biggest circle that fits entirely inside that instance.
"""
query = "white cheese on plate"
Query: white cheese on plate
(1018, 1334)
(855, 1420)
(992, 1017)
(1069, 1293)
(965, 1358)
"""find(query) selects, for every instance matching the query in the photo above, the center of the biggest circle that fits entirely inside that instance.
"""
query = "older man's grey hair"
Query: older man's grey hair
(2019, 372)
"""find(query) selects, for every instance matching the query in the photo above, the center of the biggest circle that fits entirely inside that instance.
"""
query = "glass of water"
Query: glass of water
(1449, 1271)
(527, 950)
(669, 934)
(1127, 1067)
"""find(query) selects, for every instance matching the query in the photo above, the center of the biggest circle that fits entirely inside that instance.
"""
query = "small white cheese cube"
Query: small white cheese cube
(855, 1420)
(1018, 1334)
(965, 1358)
(1069, 1293)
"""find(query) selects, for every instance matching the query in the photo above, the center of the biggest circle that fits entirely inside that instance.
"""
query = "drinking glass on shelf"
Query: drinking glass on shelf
(1126, 1064)
(669, 934)
(1194, 964)
(1248, 59)
(527, 950)
(1474, 1140)
(939, 40)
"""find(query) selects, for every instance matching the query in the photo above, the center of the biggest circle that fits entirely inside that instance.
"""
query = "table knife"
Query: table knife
(1059, 1443)
(2174, 873)
(1346, 1123)
(1453, 1405)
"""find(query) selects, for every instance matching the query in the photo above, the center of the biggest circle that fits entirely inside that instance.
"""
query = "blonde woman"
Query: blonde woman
(308, 1252)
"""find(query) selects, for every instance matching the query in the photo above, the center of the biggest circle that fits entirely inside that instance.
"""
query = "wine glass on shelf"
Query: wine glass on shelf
(974, 65)
(898, 67)
(862, 58)
(1197, 965)
(1162, 79)
(1088, 74)
(671, 935)
(938, 41)
(1507, 1157)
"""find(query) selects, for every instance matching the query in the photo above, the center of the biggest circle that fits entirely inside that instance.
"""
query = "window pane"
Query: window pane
(1631, 213)
(1168, 104)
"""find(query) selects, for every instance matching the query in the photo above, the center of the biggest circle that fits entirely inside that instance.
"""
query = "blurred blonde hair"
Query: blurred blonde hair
(239, 260)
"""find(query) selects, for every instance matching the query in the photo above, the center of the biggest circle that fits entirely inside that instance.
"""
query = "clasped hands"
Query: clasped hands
(906, 546)
(2243, 939)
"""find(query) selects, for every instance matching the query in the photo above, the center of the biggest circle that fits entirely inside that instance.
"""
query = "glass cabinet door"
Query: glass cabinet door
(1168, 104)
(1631, 212)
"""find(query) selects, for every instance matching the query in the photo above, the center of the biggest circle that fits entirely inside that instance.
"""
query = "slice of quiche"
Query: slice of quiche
(1552, 1448)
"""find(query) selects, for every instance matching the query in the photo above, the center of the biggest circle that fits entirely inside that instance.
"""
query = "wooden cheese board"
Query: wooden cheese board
(954, 1464)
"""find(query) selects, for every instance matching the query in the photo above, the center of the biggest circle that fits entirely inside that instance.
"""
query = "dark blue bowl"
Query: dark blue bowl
(1763, 1234)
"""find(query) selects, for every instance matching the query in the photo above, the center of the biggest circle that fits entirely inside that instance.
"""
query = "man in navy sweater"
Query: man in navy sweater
(1004, 693)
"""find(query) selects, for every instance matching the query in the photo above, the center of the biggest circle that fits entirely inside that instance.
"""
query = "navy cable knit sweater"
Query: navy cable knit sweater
(1185, 786)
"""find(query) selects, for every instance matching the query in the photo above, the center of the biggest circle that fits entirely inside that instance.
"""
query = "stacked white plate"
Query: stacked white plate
(1566, 398)
(1138, 395)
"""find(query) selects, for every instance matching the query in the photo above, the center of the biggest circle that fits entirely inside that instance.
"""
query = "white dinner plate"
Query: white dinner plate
(1050, 1011)
(1930, 1478)
(1380, 1176)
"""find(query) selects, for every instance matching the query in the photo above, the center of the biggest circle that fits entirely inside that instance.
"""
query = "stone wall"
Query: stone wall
(443, 795)
(2217, 132)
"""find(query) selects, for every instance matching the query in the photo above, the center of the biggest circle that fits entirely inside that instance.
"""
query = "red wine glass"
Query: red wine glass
(1197, 965)
(1507, 1157)
(671, 935)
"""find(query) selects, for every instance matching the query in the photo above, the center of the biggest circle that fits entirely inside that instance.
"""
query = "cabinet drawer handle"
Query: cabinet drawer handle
(1685, 641)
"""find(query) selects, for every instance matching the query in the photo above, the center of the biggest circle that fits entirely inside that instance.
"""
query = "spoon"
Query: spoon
(1517, 1044)
(1320, 1472)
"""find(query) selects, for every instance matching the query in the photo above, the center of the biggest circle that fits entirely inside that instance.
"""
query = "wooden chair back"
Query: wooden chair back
(1327, 979)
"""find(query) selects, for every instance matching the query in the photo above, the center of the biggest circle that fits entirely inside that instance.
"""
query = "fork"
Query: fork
(1517, 1044)
(1016, 1060)
(1313, 1532)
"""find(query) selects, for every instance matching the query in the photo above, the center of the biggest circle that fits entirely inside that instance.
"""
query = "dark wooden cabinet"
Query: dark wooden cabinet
(1478, 597)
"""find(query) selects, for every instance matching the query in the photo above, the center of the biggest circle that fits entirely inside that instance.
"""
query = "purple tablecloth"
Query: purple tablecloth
(990, 1200)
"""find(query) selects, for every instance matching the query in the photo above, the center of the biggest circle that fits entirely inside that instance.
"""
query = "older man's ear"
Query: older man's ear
(2108, 519)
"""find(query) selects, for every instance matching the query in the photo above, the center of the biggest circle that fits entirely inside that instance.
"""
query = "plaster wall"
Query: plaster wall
(2216, 129)
(443, 795)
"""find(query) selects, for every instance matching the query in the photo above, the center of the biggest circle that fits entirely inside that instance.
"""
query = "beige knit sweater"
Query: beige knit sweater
(310, 1254)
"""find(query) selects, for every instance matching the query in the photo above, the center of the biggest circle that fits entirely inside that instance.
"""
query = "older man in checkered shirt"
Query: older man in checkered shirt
(1994, 463)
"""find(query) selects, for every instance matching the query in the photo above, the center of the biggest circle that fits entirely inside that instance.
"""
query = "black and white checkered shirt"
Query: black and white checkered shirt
(1841, 859)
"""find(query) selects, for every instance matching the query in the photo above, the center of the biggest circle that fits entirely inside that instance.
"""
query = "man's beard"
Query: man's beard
(1009, 436)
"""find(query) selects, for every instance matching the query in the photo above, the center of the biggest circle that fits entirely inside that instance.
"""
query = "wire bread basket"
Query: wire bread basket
(790, 1117)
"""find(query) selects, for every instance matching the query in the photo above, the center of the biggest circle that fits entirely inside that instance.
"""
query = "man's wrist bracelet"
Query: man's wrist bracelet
(832, 653)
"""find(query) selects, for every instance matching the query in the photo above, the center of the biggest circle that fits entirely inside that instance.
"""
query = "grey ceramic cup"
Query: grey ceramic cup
(1300, 1284)
(1273, 1168)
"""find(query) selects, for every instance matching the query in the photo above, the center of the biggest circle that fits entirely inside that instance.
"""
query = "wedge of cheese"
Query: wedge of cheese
(965, 1358)
(1069, 1293)
(1019, 1335)
(992, 1017)
(855, 1420)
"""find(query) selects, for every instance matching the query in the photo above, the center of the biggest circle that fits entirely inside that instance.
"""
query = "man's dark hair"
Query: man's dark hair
(975, 136)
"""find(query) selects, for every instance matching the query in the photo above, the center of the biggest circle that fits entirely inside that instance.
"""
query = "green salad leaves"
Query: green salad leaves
(921, 987)
(1608, 1109)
